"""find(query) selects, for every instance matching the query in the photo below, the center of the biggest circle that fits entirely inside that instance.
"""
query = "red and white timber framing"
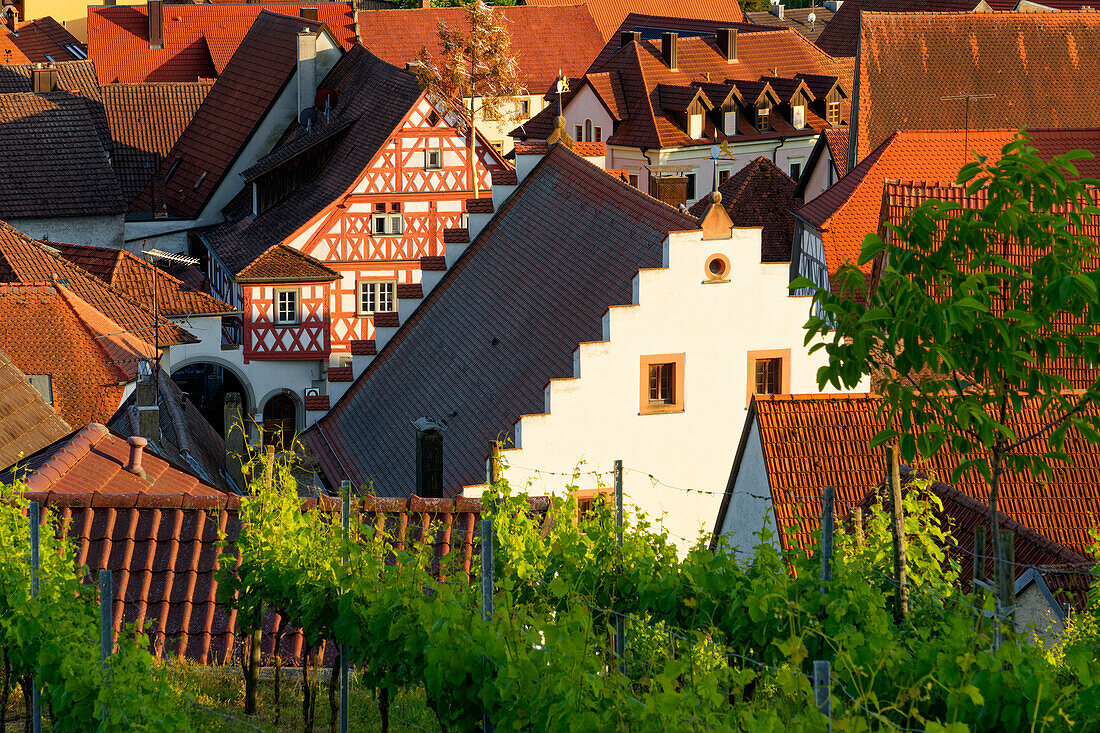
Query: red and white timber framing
(307, 339)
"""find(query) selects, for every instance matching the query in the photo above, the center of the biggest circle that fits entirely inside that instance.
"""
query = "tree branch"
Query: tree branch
(1081, 405)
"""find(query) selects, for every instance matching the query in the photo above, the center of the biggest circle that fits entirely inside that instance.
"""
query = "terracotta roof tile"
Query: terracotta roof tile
(610, 14)
(27, 422)
(498, 363)
(54, 162)
(909, 61)
(813, 441)
(43, 335)
(233, 108)
(547, 41)
(146, 120)
(652, 26)
(199, 40)
(797, 19)
(317, 402)
(44, 40)
(837, 140)
(286, 264)
(760, 195)
(842, 34)
(340, 374)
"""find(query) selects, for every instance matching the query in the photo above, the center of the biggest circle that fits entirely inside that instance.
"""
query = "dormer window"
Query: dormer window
(832, 113)
(695, 126)
(729, 122)
(798, 116)
(763, 119)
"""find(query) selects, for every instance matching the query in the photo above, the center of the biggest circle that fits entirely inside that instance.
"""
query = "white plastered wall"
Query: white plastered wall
(819, 176)
(595, 417)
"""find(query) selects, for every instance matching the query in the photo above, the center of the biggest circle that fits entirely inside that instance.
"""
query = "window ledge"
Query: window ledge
(675, 410)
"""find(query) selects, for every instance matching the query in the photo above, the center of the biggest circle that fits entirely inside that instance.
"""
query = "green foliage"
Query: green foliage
(713, 643)
(54, 637)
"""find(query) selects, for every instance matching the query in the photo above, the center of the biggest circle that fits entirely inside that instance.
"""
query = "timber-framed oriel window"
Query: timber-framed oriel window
(661, 384)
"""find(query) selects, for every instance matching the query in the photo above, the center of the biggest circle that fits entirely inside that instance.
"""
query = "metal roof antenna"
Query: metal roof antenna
(966, 114)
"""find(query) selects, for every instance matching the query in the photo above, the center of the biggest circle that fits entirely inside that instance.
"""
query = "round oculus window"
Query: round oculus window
(717, 267)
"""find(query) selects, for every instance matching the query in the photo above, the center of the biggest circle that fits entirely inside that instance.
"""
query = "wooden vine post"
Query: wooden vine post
(897, 527)
(255, 639)
(620, 622)
(827, 501)
(35, 525)
(345, 524)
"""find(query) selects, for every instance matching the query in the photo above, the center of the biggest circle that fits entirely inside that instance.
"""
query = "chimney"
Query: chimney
(308, 13)
(727, 43)
(108, 3)
(145, 396)
(156, 24)
(43, 78)
(777, 10)
(629, 37)
(668, 49)
(11, 17)
(307, 69)
(137, 450)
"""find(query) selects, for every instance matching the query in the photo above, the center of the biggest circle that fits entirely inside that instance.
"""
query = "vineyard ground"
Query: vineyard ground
(217, 701)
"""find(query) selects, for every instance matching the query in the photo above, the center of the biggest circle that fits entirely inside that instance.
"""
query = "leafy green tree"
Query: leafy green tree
(973, 314)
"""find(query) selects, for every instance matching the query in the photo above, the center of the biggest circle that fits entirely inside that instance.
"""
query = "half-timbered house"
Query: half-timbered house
(339, 232)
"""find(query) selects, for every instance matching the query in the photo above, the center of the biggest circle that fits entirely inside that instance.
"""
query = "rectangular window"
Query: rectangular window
(523, 108)
(695, 126)
(433, 159)
(579, 129)
(832, 113)
(286, 307)
(690, 186)
(729, 122)
(633, 179)
(662, 384)
(723, 176)
(796, 168)
(798, 116)
(769, 375)
(763, 119)
(44, 384)
(769, 372)
(377, 296)
(498, 146)
(597, 134)
(386, 225)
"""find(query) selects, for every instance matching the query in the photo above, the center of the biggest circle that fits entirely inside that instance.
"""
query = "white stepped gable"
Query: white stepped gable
(596, 416)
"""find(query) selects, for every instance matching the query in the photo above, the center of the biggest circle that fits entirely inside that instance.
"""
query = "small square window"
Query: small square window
(498, 146)
(796, 169)
(723, 176)
(286, 307)
(662, 384)
(379, 207)
(524, 108)
(769, 375)
(377, 296)
(396, 206)
(633, 179)
(433, 159)
(386, 225)
(769, 372)
(832, 113)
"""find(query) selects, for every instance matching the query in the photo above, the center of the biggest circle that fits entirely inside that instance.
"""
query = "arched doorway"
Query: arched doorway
(280, 421)
(206, 385)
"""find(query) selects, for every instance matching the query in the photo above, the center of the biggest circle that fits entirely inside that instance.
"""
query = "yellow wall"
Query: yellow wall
(73, 14)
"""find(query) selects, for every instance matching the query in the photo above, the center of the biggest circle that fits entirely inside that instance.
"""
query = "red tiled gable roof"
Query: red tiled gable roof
(54, 162)
(497, 363)
(849, 210)
(636, 72)
(1040, 66)
(546, 41)
(43, 334)
(842, 34)
(760, 195)
(145, 121)
(198, 39)
(27, 261)
(164, 552)
(44, 40)
(10, 53)
(837, 140)
(233, 109)
(141, 280)
(813, 441)
(797, 19)
(609, 14)
(27, 422)
(374, 98)
(286, 264)
(652, 26)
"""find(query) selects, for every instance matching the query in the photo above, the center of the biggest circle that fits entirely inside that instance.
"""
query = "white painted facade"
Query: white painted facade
(750, 508)
(597, 415)
(99, 231)
(496, 131)
(823, 175)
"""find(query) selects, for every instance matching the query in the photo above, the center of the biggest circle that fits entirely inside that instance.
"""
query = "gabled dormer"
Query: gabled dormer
(829, 97)
(689, 107)
(794, 96)
(759, 101)
(726, 102)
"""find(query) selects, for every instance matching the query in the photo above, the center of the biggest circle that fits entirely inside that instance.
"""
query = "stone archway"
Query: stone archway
(206, 382)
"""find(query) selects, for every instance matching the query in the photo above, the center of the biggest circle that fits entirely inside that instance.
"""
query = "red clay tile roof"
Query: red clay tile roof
(546, 41)
(909, 61)
(140, 281)
(813, 441)
(145, 121)
(609, 14)
(164, 553)
(837, 140)
(54, 161)
(43, 334)
(28, 261)
(797, 19)
(849, 210)
(44, 40)
(27, 422)
(72, 76)
(760, 195)
(198, 39)
(286, 264)
(497, 364)
(652, 26)
(233, 109)
(630, 85)
(842, 34)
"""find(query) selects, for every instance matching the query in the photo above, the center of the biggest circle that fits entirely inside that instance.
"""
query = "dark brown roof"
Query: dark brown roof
(478, 357)
(374, 98)
(235, 106)
(44, 40)
(146, 120)
(72, 76)
(286, 264)
(842, 34)
(546, 41)
(1039, 66)
(609, 14)
(797, 19)
(27, 422)
(760, 195)
(54, 161)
